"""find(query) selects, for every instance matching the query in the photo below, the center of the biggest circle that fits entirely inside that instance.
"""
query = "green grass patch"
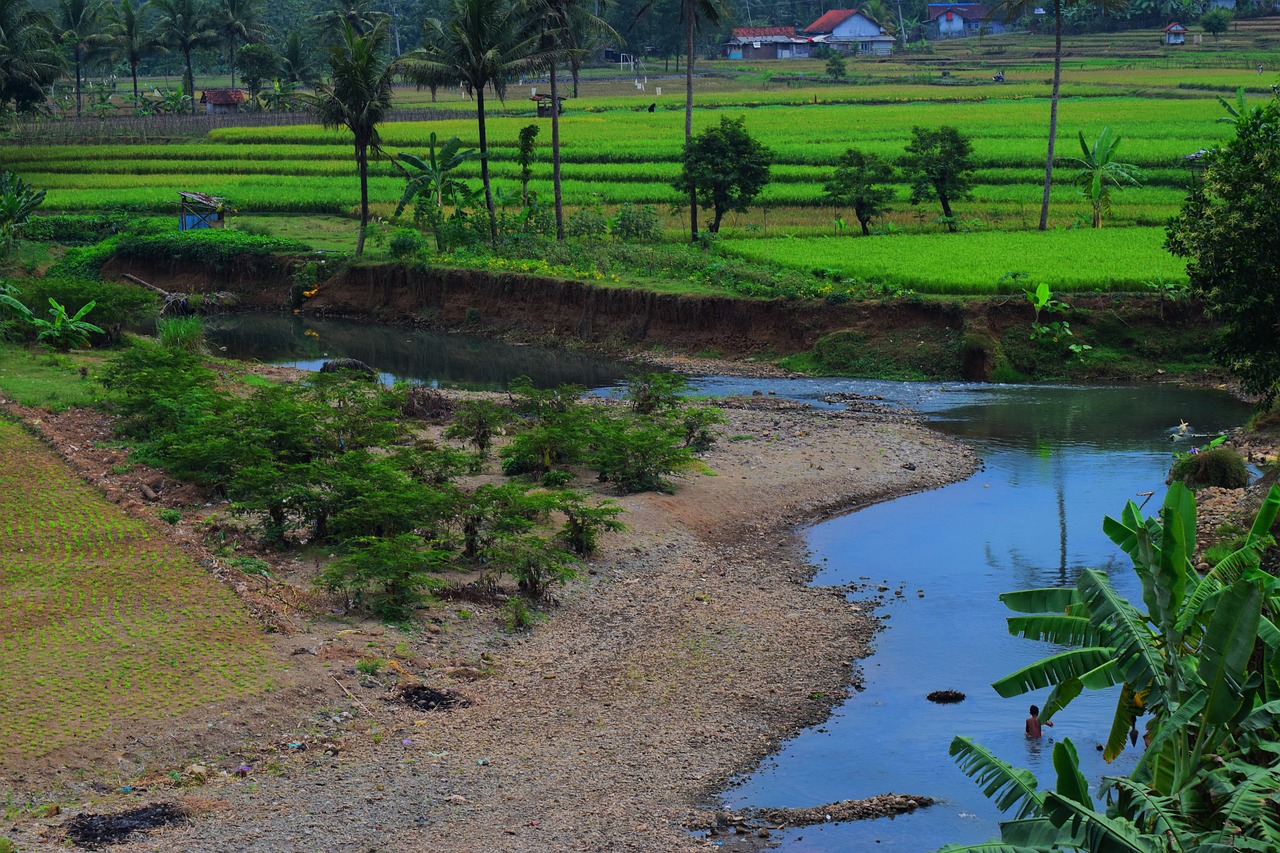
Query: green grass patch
(1119, 259)
(38, 378)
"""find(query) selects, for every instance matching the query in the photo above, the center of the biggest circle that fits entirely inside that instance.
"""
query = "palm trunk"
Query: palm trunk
(555, 153)
(484, 167)
(231, 44)
(688, 116)
(1053, 112)
(77, 53)
(189, 80)
(133, 72)
(362, 163)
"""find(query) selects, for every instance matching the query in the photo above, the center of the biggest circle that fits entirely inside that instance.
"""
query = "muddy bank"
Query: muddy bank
(935, 338)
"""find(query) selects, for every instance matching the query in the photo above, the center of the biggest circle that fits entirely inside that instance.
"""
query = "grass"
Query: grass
(100, 622)
(1073, 259)
(34, 377)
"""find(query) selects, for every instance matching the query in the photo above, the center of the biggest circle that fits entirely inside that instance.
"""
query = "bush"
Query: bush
(159, 390)
(477, 422)
(655, 392)
(406, 244)
(1222, 467)
(637, 456)
(184, 333)
(389, 576)
(636, 223)
(75, 230)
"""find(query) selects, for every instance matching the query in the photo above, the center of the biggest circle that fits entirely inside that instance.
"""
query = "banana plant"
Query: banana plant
(1203, 661)
(430, 184)
(1101, 171)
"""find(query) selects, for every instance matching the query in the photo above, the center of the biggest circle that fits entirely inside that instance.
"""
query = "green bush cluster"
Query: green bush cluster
(1221, 467)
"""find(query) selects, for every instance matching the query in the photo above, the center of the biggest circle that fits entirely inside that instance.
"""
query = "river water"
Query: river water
(1056, 460)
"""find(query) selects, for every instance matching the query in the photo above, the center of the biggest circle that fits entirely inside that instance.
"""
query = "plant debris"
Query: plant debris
(425, 699)
(946, 697)
(93, 830)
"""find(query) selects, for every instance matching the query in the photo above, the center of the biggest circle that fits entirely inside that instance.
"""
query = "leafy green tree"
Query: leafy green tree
(836, 68)
(477, 422)
(296, 62)
(30, 59)
(1216, 21)
(563, 24)
(724, 169)
(860, 183)
(133, 36)
(257, 63)
(237, 21)
(479, 44)
(1201, 661)
(391, 576)
(80, 27)
(524, 159)
(18, 203)
(1227, 232)
(1101, 171)
(185, 25)
(358, 97)
(939, 165)
(360, 15)
(585, 521)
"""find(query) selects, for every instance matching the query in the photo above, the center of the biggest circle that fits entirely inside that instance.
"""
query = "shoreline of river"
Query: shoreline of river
(693, 650)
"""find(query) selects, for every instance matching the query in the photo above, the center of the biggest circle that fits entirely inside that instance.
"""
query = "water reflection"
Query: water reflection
(455, 361)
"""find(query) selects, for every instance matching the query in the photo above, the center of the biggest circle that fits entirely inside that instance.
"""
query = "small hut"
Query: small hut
(1175, 33)
(222, 101)
(198, 210)
(543, 103)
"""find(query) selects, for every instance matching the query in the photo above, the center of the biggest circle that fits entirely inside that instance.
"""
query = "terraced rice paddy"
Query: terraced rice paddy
(100, 621)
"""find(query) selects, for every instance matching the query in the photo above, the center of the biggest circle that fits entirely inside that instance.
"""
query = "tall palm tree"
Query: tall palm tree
(80, 23)
(184, 25)
(1012, 9)
(359, 14)
(479, 44)
(132, 37)
(29, 56)
(1101, 171)
(237, 21)
(358, 97)
(297, 61)
(563, 22)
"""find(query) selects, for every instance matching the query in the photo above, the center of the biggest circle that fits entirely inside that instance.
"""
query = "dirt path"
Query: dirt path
(692, 650)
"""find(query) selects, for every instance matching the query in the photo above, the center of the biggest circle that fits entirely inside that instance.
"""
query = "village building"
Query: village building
(961, 20)
(766, 43)
(222, 101)
(1175, 33)
(850, 31)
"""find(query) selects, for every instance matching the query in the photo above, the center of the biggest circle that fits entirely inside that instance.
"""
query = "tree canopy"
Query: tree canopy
(724, 168)
(938, 163)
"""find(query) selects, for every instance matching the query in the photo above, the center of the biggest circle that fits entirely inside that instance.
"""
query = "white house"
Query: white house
(1175, 33)
(850, 31)
(957, 20)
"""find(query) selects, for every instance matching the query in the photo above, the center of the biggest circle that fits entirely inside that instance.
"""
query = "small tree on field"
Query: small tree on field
(1100, 171)
(835, 67)
(1227, 233)
(257, 63)
(860, 183)
(725, 169)
(939, 165)
(1216, 21)
(524, 158)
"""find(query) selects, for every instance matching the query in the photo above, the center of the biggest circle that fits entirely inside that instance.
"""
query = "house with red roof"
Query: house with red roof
(766, 43)
(1175, 33)
(221, 101)
(850, 31)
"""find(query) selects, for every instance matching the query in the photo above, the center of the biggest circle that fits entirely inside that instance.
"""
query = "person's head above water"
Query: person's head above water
(1035, 711)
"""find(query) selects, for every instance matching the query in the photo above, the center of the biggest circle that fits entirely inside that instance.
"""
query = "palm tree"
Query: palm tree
(1011, 9)
(29, 56)
(133, 40)
(184, 25)
(297, 61)
(79, 22)
(236, 21)
(481, 43)
(358, 97)
(359, 14)
(562, 21)
(1100, 171)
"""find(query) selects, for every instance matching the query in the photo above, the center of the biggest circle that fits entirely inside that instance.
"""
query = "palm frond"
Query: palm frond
(1058, 629)
(1128, 633)
(1101, 834)
(1053, 670)
(1007, 786)
(1150, 811)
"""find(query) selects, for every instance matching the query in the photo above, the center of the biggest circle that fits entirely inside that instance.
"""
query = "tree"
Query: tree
(859, 183)
(18, 202)
(1227, 232)
(1100, 171)
(562, 21)
(1011, 9)
(938, 164)
(358, 14)
(236, 21)
(80, 24)
(479, 44)
(185, 26)
(524, 159)
(1216, 21)
(296, 62)
(132, 37)
(29, 55)
(836, 69)
(1201, 661)
(257, 63)
(724, 169)
(358, 97)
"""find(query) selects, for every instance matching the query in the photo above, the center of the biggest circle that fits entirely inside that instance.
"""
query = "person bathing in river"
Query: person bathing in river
(1034, 725)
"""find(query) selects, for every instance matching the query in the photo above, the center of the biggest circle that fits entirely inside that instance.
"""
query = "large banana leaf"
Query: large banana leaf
(1071, 782)
(1043, 600)
(1101, 834)
(1055, 628)
(1251, 810)
(1007, 786)
(1060, 697)
(1171, 736)
(1266, 516)
(1177, 543)
(1228, 643)
(1262, 725)
(987, 847)
(1036, 833)
(1151, 812)
(1054, 670)
(1121, 724)
(1232, 567)
(1128, 633)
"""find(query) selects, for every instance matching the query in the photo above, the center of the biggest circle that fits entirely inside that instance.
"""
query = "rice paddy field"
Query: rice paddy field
(1162, 101)
(102, 623)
